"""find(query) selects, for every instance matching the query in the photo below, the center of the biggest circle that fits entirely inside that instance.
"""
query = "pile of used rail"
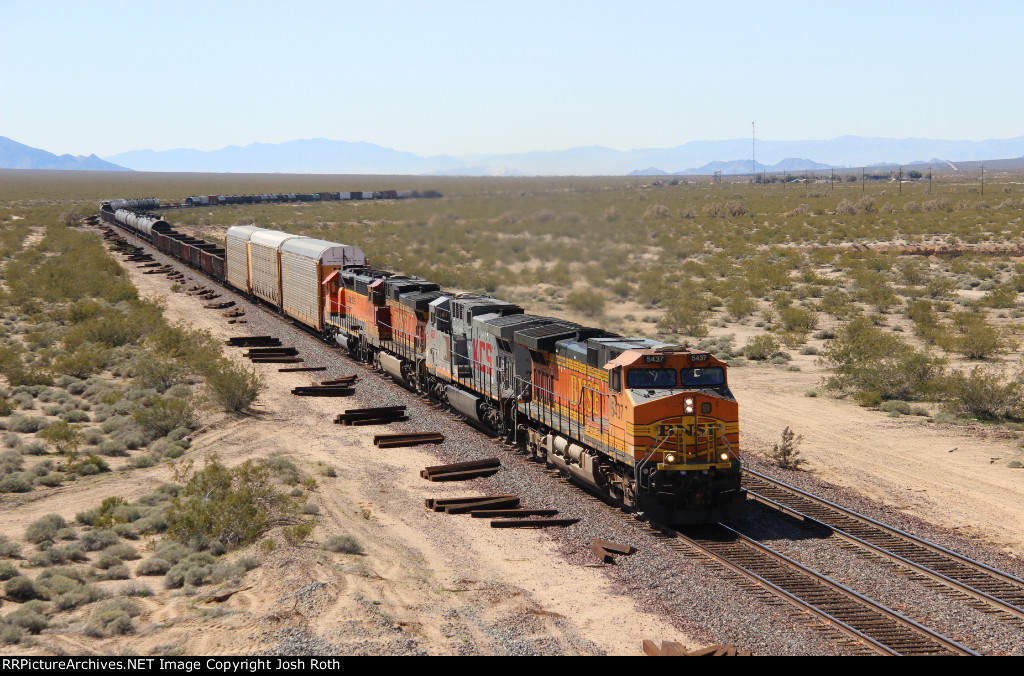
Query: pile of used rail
(461, 471)
(382, 415)
(339, 387)
(503, 510)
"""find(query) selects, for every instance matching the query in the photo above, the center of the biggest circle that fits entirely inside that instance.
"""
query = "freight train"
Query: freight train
(152, 203)
(651, 425)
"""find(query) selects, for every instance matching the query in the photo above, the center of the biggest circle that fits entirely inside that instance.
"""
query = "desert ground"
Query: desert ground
(429, 584)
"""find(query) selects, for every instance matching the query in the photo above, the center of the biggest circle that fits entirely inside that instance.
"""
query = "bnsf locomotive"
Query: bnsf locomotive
(652, 425)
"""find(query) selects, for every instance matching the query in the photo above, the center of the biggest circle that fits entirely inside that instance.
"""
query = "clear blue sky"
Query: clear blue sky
(489, 76)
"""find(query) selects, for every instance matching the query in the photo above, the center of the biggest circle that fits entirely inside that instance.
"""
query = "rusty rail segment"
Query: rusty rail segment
(322, 391)
(532, 523)
(276, 360)
(371, 416)
(344, 380)
(461, 471)
(272, 352)
(411, 439)
(297, 369)
(438, 504)
(988, 587)
(867, 622)
(253, 341)
(467, 507)
(510, 513)
(606, 551)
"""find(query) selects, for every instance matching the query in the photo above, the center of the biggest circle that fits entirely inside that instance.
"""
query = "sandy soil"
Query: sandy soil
(448, 586)
(426, 582)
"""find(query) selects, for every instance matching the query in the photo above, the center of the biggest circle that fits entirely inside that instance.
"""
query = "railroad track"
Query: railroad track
(850, 618)
(853, 619)
(984, 587)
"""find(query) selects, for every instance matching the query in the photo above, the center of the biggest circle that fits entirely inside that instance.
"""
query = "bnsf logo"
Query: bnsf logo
(699, 430)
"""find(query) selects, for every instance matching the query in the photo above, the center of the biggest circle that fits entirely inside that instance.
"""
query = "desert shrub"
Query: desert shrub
(974, 338)
(122, 551)
(9, 549)
(21, 588)
(161, 415)
(15, 484)
(6, 406)
(45, 528)
(735, 208)
(786, 455)
(761, 347)
(117, 572)
(7, 571)
(153, 566)
(984, 393)
(586, 301)
(657, 211)
(233, 386)
(144, 461)
(233, 505)
(74, 416)
(112, 618)
(51, 480)
(937, 204)
(95, 540)
(342, 544)
(25, 424)
(864, 358)
(30, 616)
(895, 406)
(79, 595)
(113, 449)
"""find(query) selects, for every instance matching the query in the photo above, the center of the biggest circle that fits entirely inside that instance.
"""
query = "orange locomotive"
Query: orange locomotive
(651, 424)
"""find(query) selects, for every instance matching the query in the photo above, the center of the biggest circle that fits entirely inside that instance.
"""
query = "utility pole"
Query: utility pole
(983, 179)
(901, 179)
(929, 179)
(862, 180)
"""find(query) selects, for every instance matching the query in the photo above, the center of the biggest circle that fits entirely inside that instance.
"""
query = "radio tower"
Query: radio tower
(753, 149)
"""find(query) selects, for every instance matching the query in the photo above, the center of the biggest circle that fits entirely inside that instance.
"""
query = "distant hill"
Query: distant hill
(307, 156)
(791, 164)
(325, 156)
(14, 155)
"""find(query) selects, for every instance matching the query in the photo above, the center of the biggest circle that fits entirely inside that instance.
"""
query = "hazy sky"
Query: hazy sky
(468, 77)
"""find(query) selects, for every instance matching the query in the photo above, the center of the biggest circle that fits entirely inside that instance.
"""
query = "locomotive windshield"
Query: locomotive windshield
(650, 378)
(703, 377)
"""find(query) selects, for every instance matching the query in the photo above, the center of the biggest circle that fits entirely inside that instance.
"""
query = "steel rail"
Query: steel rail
(882, 629)
(978, 580)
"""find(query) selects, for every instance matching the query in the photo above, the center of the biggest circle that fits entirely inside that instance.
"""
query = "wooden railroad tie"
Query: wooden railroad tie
(461, 471)
(296, 369)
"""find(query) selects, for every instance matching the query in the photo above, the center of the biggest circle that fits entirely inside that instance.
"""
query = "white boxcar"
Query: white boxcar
(305, 264)
(265, 264)
(236, 252)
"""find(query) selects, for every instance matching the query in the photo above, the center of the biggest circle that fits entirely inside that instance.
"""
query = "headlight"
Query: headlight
(670, 458)
(688, 405)
(724, 456)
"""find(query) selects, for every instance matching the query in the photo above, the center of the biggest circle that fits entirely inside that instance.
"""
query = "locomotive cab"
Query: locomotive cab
(680, 420)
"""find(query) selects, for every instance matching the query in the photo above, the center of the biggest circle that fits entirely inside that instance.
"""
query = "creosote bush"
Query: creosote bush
(231, 505)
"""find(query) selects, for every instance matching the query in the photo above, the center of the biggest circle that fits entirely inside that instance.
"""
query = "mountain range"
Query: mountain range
(695, 157)
(325, 156)
(14, 155)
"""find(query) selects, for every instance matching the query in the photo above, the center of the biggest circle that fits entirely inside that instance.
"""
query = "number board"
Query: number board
(698, 357)
(654, 358)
